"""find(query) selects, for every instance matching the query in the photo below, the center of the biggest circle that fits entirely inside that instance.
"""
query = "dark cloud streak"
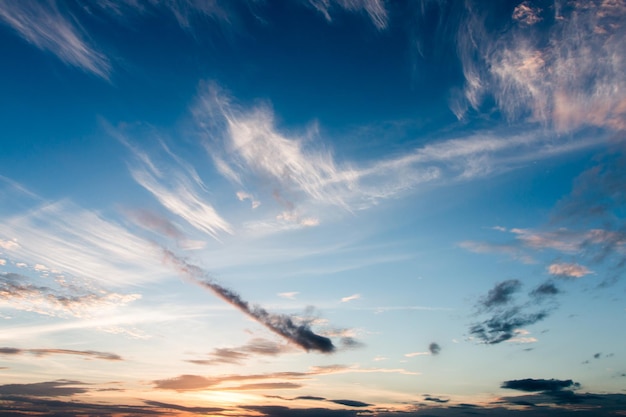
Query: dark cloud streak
(283, 325)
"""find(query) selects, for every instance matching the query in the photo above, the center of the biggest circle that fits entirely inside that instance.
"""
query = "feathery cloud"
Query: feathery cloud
(43, 25)
(17, 292)
(375, 9)
(75, 241)
(523, 67)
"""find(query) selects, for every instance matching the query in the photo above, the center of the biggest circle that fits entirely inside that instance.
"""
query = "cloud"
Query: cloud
(289, 295)
(413, 354)
(375, 9)
(502, 325)
(237, 355)
(350, 298)
(521, 68)
(501, 293)
(45, 352)
(279, 411)
(177, 186)
(242, 195)
(534, 385)
(568, 270)
(435, 399)
(198, 382)
(20, 294)
(58, 388)
(298, 172)
(351, 403)
(506, 319)
(526, 14)
(434, 348)
(83, 243)
(544, 290)
(43, 25)
(283, 325)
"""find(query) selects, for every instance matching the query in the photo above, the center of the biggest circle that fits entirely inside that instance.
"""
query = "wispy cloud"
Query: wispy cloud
(375, 9)
(198, 382)
(17, 292)
(507, 319)
(89, 354)
(75, 241)
(302, 179)
(178, 188)
(42, 24)
(283, 325)
(523, 67)
(237, 355)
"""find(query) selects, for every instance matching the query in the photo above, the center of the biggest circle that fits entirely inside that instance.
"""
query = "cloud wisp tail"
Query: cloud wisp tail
(281, 324)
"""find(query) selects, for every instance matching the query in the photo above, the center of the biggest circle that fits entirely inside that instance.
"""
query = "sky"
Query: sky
(312, 208)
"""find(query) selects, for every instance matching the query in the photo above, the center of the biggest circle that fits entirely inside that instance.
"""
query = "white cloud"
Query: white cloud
(242, 195)
(350, 298)
(413, 354)
(9, 244)
(3, 262)
(42, 24)
(16, 292)
(556, 77)
(289, 295)
(82, 243)
(568, 270)
(178, 187)
(306, 179)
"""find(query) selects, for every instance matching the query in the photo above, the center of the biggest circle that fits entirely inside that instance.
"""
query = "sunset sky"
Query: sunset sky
(312, 208)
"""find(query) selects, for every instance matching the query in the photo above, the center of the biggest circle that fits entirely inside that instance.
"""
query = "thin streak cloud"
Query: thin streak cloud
(283, 325)
(44, 26)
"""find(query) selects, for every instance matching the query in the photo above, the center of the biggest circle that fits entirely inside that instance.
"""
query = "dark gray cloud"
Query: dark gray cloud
(534, 385)
(195, 410)
(501, 293)
(435, 399)
(58, 388)
(502, 325)
(281, 324)
(45, 352)
(505, 318)
(434, 348)
(350, 403)
(545, 290)
(347, 403)
(278, 411)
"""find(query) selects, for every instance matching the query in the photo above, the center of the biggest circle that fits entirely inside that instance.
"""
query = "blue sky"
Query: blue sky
(322, 207)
